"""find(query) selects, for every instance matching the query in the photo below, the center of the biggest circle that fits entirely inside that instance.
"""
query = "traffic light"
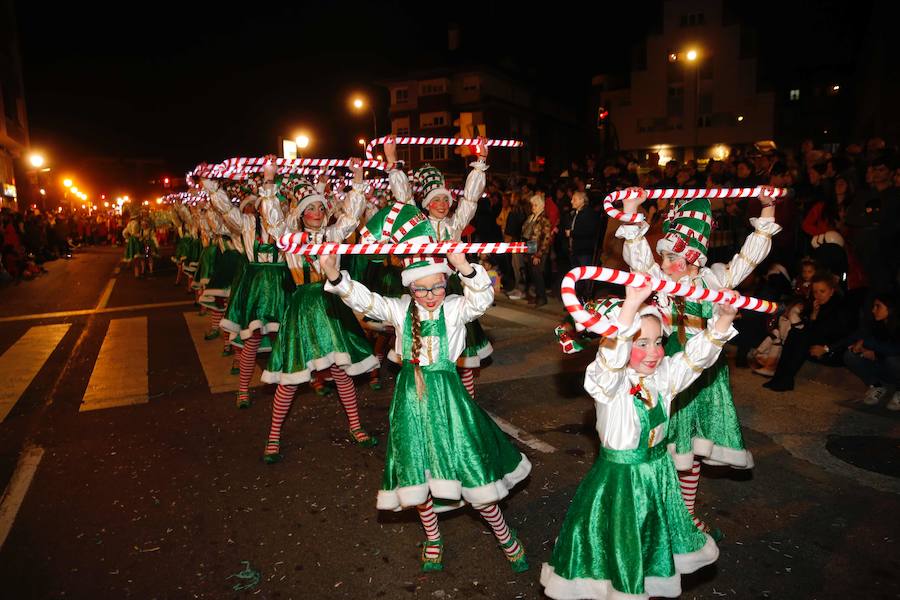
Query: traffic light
(166, 182)
(602, 117)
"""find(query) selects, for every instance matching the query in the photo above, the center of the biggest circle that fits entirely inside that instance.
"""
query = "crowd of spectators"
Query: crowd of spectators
(30, 238)
(834, 262)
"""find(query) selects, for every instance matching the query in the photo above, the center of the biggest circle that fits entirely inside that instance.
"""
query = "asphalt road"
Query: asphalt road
(166, 495)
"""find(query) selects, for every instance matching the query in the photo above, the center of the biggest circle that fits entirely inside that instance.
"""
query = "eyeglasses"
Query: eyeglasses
(436, 290)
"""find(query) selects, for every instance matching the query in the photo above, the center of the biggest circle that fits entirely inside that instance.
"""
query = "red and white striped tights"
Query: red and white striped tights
(284, 397)
(489, 512)
(248, 362)
(467, 375)
(690, 481)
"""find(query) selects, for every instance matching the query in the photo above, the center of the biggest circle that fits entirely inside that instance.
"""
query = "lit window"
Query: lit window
(795, 94)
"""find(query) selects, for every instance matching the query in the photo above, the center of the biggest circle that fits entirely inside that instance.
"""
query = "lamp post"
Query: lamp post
(693, 56)
(359, 103)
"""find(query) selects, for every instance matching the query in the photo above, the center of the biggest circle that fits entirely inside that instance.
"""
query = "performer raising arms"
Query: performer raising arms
(259, 300)
(436, 202)
(704, 421)
(225, 271)
(318, 332)
(443, 449)
(627, 533)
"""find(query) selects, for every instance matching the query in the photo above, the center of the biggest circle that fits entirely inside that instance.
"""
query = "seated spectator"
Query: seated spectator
(823, 325)
(803, 282)
(874, 354)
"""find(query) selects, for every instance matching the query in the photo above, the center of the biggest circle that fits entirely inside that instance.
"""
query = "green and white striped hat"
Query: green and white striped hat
(305, 193)
(686, 230)
(432, 184)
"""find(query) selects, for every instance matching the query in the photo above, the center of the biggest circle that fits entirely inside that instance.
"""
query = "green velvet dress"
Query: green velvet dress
(317, 330)
(225, 273)
(133, 248)
(443, 443)
(259, 299)
(205, 266)
(627, 533)
(704, 422)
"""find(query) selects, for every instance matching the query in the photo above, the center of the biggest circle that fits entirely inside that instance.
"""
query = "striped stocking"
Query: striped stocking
(690, 481)
(248, 362)
(491, 513)
(215, 317)
(347, 394)
(430, 524)
(468, 380)
(284, 397)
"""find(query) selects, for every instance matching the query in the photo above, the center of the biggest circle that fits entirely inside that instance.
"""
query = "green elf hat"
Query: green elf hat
(396, 222)
(432, 184)
(686, 230)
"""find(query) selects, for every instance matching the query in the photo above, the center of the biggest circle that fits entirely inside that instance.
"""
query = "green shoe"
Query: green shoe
(430, 565)
(270, 458)
(211, 335)
(243, 400)
(235, 371)
(715, 533)
(516, 561)
(362, 438)
(228, 350)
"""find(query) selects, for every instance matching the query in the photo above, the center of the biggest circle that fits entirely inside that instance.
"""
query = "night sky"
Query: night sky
(185, 84)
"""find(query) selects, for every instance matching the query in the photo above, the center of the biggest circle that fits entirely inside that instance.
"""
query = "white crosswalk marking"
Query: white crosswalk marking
(120, 375)
(216, 367)
(24, 359)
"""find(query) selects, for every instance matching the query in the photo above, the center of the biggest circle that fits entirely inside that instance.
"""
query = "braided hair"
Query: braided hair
(416, 326)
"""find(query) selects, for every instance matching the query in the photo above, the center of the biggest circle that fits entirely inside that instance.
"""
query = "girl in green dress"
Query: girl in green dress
(443, 449)
(627, 533)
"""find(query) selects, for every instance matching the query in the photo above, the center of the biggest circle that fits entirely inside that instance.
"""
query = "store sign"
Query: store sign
(9, 190)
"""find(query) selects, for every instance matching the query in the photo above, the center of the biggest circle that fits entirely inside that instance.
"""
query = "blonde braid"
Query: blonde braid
(416, 327)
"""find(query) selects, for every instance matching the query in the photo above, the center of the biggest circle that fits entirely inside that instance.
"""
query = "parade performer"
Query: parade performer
(181, 245)
(704, 422)
(443, 449)
(436, 201)
(140, 244)
(226, 270)
(627, 533)
(192, 247)
(318, 332)
(260, 297)
(209, 254)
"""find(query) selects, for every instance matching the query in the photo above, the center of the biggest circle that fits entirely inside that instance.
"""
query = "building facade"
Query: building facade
(693, 88)
(13, 119)
(467, 102)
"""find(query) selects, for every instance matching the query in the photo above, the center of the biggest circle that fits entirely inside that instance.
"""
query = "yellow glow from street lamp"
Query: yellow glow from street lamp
(358, 103)
(67, 183)
(673, 57)
(740, 118)
(835, 88)
(43, 192)
(691, 55)
(361, 141)
(127, 199)
(36, 160)
(159, 200)
(302, 140)
(106, 205)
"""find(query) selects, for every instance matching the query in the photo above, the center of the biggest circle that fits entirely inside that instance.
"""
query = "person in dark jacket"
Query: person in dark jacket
(582, 231)
(817, 337)
(873, 354)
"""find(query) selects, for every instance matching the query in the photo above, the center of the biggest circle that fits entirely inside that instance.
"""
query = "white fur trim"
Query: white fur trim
(711, 454)
(561, 588)
(449, 489)
(341, 359)
(233, 327)
(408, 276)
(436, 192)
(472, 362)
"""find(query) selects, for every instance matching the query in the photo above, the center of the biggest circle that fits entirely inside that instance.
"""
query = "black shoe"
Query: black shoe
(776, 385)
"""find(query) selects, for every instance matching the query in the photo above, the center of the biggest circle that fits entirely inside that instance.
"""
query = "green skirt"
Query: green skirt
(180, 250)
(478, 346)
(193, 248)
(444, 444)
(627, 531)
(226, 271)
(205, 266)
(704, 423)
(133, 248)
(317, 330)
(259, 299)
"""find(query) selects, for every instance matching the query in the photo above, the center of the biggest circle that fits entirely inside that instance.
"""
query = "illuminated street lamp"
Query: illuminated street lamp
(302, 141)
(36, 160)
(691, 55)
(67, 183)
(359, 104)
(361, 141)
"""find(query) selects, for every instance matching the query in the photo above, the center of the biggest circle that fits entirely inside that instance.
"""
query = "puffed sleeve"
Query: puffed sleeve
(607, 373)
(221, 203)
(362, 300)
(478, 295)
(270, 210)
(636, 252)
(399, 183)
(348, 219)
(468, 204)
(700, 352)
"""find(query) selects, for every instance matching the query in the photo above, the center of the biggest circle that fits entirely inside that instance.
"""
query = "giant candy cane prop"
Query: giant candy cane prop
(241, 168)
(600, 325)
(679, 194)
(296, 243)
(433, 141)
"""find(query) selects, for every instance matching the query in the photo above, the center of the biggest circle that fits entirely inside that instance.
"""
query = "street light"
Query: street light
(691, 55)
(67, 183)
(36, 160)
(360, 104)
(302, 141)
(361, 141)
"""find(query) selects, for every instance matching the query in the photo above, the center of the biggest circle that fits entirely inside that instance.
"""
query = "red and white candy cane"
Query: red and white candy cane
(435, 141)
(681, 194)
(602, 326)
(241, 168)
(296, 243)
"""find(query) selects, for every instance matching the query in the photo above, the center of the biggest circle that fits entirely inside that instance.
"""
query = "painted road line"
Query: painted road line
(521, 317)
(522, 435)
(120, 373)
(14, 494)
(24, 359)
(107, 292)
(94, 311)
(216, 367)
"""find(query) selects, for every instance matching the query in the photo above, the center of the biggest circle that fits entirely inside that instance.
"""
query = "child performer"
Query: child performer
(318, 332)
(442, 448)
(627, 533)
(704, 420)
